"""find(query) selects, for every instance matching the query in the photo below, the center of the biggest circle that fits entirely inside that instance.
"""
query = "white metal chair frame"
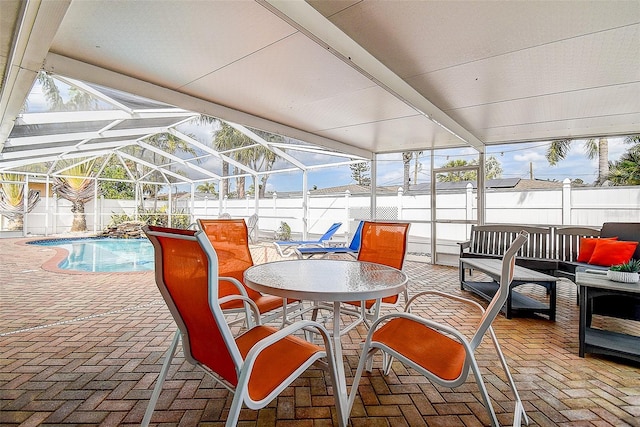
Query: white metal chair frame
(252, 228)
(370, 346)
(361, 314)
(285, 314)
(244, 366)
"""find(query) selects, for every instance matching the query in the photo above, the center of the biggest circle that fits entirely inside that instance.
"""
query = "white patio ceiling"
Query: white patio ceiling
(362, 77)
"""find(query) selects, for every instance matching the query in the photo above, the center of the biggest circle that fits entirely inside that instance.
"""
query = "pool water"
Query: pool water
(104, 255)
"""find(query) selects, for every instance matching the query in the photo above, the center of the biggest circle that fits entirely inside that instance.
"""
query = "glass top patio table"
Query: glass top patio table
(328, 280)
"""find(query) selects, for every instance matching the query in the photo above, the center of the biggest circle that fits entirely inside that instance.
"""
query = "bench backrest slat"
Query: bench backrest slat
(495, 239)
(567, 241)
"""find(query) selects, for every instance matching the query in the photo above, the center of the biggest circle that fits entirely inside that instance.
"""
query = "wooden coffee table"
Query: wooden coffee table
(516, 302)
(592, 340)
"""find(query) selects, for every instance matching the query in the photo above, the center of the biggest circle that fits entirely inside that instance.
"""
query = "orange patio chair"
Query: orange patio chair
(441, 352)
(230, 239)
(250, 365)
(381, 243)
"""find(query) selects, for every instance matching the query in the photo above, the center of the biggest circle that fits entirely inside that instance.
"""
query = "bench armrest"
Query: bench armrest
(464, 245)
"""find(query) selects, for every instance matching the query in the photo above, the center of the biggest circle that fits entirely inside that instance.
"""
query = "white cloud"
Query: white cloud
(530, 156)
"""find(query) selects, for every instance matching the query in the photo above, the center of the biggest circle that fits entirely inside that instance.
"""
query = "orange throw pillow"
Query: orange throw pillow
(587, 245)
(611, 252)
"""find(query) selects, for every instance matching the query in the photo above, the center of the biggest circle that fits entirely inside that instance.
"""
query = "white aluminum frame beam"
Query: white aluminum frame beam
(314, 25)
(177, 159)
(62, 151)
(211, 151)
(156, 168)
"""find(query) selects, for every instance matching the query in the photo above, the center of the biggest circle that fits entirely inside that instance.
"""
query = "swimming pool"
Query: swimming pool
(104, 255)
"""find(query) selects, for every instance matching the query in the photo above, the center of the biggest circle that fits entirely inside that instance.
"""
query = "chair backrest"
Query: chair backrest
(230, 239)
(187, 279)
(384, 243)
(252, 227)
(506, 277)
(252, 221)
(356, 240)
(224, 215)
(330, 232)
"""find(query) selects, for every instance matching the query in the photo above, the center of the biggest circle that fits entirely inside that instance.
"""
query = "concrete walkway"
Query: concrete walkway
(85, 349)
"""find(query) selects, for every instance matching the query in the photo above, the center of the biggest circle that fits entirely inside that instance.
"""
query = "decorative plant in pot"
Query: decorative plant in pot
(627, 272)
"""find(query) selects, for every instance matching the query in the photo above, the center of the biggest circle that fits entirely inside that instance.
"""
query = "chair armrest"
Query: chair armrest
(427, 322)
(241, 290)
(247, 301)
(290, 330)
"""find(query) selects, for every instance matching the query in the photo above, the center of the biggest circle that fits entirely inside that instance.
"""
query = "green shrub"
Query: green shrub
(161, 219)
(119, 219)
(284, 232)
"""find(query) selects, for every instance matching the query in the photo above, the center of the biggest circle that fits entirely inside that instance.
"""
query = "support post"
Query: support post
(566, 201)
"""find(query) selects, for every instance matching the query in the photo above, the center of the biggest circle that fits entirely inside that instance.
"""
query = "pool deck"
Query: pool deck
(84, 349)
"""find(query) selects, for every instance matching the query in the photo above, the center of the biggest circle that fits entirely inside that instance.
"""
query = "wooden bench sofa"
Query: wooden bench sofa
(553, 250)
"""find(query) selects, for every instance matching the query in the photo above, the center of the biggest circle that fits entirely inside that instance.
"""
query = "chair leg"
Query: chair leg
(171, 351)
(366, 358)
(387, 360)
(485, 394)
(234, 411)
(519, 411)
(369, 365)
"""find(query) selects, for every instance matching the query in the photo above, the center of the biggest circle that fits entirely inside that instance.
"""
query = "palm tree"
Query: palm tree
(77, 188)
(78, 99)
(559, 149)
(228, 138)
(208, 187)
(256, 157)
(12, 199)
(492, 170)
(263, 159)
(166, 142)
(626, 171)
(244, 157)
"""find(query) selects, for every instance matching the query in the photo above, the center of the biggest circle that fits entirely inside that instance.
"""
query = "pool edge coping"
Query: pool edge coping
(51, 265)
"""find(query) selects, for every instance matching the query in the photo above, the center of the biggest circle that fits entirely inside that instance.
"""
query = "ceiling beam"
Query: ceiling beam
(184, 162)
(23, 161)
(302, 16)
(211, 151)
(155, 167)
(61, 150)
(36, 25)
(125, 134)
(257, 138)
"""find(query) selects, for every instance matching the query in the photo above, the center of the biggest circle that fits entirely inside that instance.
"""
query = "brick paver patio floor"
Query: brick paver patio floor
(85, 349)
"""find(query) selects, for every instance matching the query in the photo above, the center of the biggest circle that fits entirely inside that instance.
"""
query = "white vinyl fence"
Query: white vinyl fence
(590, 206)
